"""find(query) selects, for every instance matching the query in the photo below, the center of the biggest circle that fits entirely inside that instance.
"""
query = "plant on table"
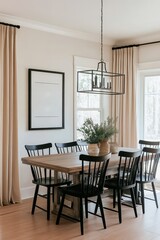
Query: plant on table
(95, 133)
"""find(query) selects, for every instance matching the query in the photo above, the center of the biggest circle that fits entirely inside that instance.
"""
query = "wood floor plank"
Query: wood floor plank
(17, 223)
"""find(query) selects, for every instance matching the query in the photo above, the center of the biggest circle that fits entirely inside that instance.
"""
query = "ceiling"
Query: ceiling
(125, 21)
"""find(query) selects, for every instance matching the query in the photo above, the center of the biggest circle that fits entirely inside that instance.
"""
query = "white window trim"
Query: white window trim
(144, 69)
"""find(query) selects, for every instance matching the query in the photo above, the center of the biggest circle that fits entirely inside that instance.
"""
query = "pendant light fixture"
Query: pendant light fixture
(100, 81)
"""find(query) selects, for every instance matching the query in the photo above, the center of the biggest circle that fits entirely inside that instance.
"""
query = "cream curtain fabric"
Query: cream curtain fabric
(9, 179)
(124, 106)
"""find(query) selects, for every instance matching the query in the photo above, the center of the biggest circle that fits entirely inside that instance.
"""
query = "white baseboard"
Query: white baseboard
(28, 192)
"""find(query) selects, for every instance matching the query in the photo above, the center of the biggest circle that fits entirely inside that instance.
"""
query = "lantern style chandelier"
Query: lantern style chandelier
(100, 81)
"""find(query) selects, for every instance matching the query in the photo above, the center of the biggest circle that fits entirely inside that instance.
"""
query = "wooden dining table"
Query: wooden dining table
(69, 163)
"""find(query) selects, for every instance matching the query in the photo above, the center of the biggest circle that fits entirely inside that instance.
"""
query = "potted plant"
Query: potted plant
(90, 132)
(108, 127)
(98, 134)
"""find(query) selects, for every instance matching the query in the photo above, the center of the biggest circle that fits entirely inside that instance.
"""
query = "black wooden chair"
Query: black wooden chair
(67, 147)
(151, 144)
(82, 145)
(43, 177)
(91, 184)
(124, 180)
(147, 173)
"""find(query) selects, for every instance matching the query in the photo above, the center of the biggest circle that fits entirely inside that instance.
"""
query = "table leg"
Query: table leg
(76, 201)
(55, 203)
(72, 211)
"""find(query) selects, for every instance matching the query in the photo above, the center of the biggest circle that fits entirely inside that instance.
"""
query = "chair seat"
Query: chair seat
(145, 179)
(77, 191)
(50, 182)
(112, 183)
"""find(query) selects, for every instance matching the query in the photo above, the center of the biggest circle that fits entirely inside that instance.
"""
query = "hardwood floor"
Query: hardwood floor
(17, 223)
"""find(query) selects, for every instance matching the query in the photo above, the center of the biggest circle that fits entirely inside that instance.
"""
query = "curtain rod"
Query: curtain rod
(11, 25)
(135, 45)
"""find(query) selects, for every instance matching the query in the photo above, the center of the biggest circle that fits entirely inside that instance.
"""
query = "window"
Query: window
(87, 105)
(150, 106)
(148, 103)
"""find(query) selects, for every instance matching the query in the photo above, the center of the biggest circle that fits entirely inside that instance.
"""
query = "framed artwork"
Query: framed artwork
(46, 99)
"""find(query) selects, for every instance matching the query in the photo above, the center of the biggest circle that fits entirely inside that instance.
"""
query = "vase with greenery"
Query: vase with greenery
(90, 132)
(95, 133)
(108, 128)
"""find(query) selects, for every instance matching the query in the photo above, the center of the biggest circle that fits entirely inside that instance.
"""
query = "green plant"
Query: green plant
(108, 128)
(90, 131)
(95, 133)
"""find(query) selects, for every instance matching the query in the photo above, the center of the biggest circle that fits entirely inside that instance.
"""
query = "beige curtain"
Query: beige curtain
(124, 106)
(9, 179)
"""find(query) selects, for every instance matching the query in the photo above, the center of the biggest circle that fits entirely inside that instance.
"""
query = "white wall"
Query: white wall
(47, 51)
(149, 53)
(42, 50)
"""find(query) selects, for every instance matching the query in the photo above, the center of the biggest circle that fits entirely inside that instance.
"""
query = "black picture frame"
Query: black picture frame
(45, 99)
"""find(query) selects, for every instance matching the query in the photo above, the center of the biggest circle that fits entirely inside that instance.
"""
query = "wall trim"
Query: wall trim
(53, 29)
(28, 192)
(149, 65)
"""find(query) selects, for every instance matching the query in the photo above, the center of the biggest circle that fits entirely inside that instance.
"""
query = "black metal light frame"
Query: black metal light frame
(100, 81)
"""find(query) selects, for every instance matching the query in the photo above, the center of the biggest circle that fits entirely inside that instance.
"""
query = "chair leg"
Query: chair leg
(142, 198)
(48, 202)
(102, 211)
(133, 201)
(96, 207)
(136, 191)
(81, 216)
(52, 194)
(60, 209)
(114, 198)
(86, 207)
(58, 196)
(154, 193)
(119, 205)
(35, 199)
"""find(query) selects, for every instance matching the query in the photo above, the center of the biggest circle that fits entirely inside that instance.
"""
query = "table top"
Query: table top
(68, 162)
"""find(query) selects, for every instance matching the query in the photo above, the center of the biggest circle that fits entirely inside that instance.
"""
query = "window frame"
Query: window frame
(142, 74)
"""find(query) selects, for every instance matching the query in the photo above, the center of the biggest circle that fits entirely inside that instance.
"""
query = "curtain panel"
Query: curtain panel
(124, 60)
(9, 175)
